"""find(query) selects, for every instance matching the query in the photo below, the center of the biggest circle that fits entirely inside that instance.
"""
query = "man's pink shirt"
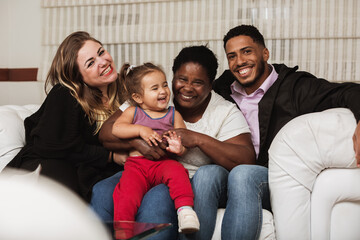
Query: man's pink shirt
(248, 105)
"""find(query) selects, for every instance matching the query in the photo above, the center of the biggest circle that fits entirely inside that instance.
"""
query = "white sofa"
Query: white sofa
(309, 200)
(313, 179)
(12, 138)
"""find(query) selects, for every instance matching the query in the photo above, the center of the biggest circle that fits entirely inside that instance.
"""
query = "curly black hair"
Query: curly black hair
(197, 54)
(247, 30)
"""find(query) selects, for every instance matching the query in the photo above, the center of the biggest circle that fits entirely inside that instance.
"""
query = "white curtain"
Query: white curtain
(320, 36)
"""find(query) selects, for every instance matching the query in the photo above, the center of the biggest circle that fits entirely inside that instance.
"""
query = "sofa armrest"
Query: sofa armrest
(335, 205)
(301, 150)
(12, 131)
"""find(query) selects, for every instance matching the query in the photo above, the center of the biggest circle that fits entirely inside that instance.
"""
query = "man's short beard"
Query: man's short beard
(257, 77)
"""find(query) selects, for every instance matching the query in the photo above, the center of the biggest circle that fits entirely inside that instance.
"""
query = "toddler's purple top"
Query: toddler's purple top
(160, 125)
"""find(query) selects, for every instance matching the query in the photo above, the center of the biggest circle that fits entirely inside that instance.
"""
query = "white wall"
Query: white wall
(20, 47)
(4, 39)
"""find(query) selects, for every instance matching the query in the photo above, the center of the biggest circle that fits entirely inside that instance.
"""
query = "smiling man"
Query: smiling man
(270, 95)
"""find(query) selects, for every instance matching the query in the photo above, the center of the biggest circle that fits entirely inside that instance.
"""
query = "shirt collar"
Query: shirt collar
(269, 81)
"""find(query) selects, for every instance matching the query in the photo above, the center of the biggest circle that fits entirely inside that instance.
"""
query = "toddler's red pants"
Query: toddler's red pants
(141, 174)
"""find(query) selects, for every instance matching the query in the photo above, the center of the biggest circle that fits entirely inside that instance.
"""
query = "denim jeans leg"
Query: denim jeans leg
(102, 197)
(248, 194)
(209, 186)
(158, 207)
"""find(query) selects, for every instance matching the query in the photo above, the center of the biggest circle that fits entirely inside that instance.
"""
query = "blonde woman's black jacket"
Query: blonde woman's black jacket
(294, 93)
(60, 138)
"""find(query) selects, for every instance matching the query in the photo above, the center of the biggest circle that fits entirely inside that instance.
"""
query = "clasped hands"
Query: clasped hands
(156, 151)
(169, 141)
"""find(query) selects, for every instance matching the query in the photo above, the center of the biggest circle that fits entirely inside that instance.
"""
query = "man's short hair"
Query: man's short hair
(245, 30)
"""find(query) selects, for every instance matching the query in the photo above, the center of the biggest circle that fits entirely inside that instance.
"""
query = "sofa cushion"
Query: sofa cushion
(12, 132)
(267, 230)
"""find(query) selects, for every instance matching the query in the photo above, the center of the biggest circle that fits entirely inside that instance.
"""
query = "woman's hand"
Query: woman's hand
(229, 153)
(149, 135)
(189, 139)
(150, 152)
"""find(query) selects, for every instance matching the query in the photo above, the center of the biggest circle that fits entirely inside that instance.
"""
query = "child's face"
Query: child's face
(156, 93)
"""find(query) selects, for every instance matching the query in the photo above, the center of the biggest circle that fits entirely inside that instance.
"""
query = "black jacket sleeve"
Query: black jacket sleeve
(222, 85)
(311, 94)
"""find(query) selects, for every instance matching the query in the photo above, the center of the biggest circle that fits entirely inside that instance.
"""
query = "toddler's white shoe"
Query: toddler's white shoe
(188, 221)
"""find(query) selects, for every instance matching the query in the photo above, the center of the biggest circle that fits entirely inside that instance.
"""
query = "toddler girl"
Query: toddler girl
(149, 118)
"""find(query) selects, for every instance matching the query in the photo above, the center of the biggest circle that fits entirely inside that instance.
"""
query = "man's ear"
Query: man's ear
(137, 98)
(266, 54)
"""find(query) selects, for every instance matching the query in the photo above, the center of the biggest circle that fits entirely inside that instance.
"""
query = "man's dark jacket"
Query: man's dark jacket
(294, 93)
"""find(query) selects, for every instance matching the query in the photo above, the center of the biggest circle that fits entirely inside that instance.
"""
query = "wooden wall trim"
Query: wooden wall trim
(18, 74)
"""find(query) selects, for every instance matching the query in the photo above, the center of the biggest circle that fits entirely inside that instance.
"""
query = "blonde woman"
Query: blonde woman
(62, 136)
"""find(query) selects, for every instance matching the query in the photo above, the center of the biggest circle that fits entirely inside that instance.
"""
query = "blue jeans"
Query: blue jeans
(243, 191)
(156, 206)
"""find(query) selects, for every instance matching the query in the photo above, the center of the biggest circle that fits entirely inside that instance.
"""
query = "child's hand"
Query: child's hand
(174, 143)
(149, 135)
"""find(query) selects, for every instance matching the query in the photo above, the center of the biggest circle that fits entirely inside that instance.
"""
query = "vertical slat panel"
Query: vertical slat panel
(321, 36)
(202, 13)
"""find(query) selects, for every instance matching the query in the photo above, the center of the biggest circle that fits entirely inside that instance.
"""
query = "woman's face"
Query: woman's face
(191, 86)
(96, 65)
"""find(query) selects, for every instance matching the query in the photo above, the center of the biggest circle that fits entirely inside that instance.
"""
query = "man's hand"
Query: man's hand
(150, 152)
(356, 140)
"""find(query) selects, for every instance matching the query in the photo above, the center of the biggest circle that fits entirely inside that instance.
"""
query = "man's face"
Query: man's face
(247, 62)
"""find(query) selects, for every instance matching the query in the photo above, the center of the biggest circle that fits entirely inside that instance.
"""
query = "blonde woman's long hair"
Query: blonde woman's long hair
(65, 70)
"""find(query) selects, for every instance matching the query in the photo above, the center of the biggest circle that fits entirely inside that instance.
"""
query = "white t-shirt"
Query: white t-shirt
(221, 120)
